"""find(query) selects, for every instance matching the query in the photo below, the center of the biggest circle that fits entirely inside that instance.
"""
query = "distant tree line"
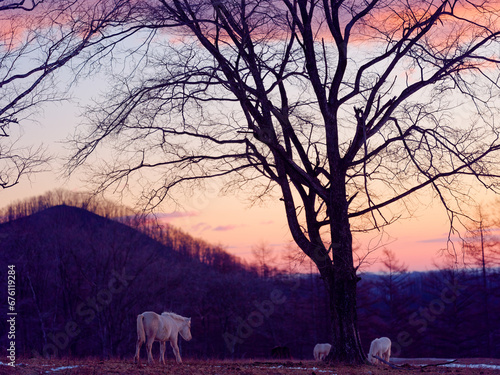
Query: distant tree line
(433, 314)
(83, 278)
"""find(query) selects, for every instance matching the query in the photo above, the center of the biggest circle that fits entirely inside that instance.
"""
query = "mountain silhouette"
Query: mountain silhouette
(79, 274)
(64, 229)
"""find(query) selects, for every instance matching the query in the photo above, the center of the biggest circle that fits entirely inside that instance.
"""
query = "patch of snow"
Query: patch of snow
(422, 360)
(296, 368)
(61, 368)
(427, 361)
(492, 367)
(10, 364)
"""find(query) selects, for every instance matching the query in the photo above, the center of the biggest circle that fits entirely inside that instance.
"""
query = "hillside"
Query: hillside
(63, 231)
(82, 279)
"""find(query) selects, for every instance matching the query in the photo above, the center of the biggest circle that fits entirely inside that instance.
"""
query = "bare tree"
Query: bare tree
(343, 108)
(37, 39)
(481, 252)
(264, 259)
(15, 161)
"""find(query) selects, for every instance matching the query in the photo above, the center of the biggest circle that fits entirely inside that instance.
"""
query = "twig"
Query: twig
(387, 363)
(439, 364)
(422, 366)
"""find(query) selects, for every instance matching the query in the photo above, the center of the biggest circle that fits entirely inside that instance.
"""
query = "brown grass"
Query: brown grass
(89, 366)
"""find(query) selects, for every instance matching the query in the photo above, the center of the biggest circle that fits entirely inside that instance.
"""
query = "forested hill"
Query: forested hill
(79, 242)
(63, 232)
(82, 279)
(173, 238)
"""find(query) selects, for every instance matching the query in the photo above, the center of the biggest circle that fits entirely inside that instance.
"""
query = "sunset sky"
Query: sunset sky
(231, 221)
(226, 220)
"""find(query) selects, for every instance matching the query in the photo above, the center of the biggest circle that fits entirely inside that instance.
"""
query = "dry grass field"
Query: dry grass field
(249, 367)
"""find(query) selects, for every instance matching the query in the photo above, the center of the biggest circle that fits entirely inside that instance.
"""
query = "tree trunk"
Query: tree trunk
(346, 345)
(341, 280)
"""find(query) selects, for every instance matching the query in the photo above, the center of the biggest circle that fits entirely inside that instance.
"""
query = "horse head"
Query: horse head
(185, 331)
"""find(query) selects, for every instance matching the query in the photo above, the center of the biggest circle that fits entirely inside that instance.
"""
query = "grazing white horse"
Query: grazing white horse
(321, 351)
(162, 328)
(381, 348)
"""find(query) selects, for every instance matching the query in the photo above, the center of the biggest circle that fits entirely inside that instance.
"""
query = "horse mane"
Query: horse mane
(173, 315)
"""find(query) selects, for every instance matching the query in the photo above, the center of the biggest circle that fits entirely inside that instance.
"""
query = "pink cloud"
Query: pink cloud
(222, 228)
(268, 222)
(201, 227)
(170, 216)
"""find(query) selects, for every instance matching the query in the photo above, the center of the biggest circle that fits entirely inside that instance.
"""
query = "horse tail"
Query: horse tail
(141, 334)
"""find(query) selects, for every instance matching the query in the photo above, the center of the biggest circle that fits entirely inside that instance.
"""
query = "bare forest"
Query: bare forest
(83, 278)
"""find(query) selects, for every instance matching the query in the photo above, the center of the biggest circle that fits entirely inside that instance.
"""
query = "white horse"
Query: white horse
(381, 348)
(321, 351)
(162, 328)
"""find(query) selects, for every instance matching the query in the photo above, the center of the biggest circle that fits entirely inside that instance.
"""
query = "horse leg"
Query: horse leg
(175, 347)
(387, 355)
(163, 347)
(149, 346)
(137, 358)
